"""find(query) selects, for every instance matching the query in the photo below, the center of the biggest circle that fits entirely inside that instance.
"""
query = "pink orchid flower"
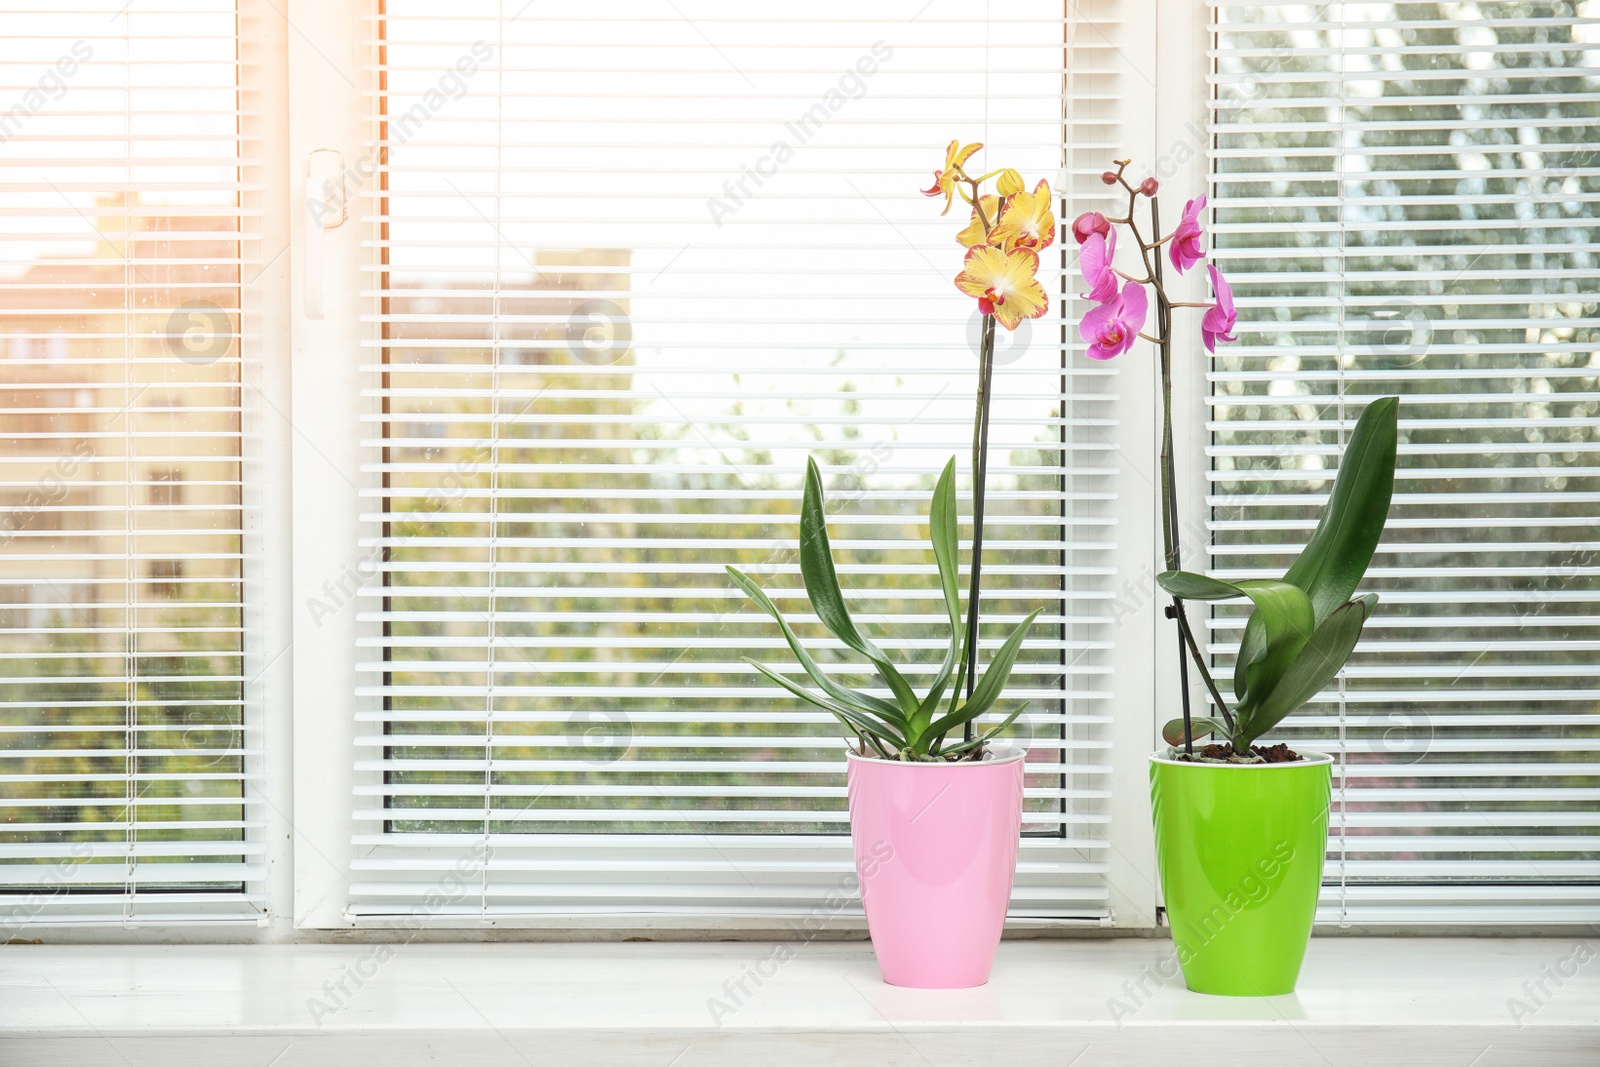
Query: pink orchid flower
(1095, 261)
(1184, 246)
(1218, 322)
(1113, 327)
(1090, 222)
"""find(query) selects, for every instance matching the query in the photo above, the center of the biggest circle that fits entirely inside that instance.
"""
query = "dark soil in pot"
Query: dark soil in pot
(1279, 753)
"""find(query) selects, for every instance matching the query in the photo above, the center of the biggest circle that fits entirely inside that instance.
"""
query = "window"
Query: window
(604, 278)
(1404, 203)
(625, 282)
(123, 770)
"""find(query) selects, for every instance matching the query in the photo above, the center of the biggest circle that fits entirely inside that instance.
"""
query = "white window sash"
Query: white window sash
(78, 903)
(1480, 853)
(329, 555)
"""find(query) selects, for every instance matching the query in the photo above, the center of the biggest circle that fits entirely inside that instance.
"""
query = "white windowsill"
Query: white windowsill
(1364, 1002)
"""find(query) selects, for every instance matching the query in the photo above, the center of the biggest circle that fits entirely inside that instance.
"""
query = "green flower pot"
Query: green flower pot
(1241, 849)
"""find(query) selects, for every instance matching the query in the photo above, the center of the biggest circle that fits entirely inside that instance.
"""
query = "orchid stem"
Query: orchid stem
(1169, 501)
(980, 464)
(1171, 540)
(977, 205)
(1186, 639)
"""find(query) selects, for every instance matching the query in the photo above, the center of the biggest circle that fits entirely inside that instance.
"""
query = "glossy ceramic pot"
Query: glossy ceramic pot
(1240, 848)
(936, 851)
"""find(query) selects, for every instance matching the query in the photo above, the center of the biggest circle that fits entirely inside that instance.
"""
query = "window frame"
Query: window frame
(265, 468)
(303, 457)
(325, 107)
(261, 96)
(327, 407)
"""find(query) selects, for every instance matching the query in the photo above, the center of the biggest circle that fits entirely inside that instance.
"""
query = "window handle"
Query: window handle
(325, 210)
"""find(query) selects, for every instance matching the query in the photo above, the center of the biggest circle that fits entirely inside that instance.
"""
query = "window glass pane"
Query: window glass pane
(637, 265)
(1404, 204)
(121, 772)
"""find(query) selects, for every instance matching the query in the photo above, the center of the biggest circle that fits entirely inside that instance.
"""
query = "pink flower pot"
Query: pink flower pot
(936, 850)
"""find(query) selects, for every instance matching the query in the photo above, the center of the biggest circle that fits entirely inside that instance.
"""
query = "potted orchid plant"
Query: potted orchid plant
(1241, 828)
(935, 802)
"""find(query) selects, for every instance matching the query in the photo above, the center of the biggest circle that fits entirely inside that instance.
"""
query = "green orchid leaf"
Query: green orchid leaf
(858, 720)
(1172, 733)
(967, 746)
(866, 740)
(1285, 626)
(822, 586)
(920, 721)
(1251, 646)
(1191, 586)
(1187, 585)
(958, 716)
(989, 687)
(848, 697)
(942, 530)
(1313, 668)
(1334, 560)
(866, 726)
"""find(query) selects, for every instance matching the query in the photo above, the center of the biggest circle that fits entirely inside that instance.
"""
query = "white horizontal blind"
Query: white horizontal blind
(122, 773)
(632, 263)
(1404, 201)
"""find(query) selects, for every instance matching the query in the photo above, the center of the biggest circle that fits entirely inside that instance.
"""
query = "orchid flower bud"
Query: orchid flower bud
(1090, 222)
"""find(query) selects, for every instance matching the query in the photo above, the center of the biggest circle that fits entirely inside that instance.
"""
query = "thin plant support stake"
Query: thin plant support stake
(980, 468)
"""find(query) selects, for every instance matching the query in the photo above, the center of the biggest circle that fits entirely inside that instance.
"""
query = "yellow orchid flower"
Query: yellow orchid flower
(944, 181)
(976, 232)
(1027, 221)
(1009, 183)
(1004, 284)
